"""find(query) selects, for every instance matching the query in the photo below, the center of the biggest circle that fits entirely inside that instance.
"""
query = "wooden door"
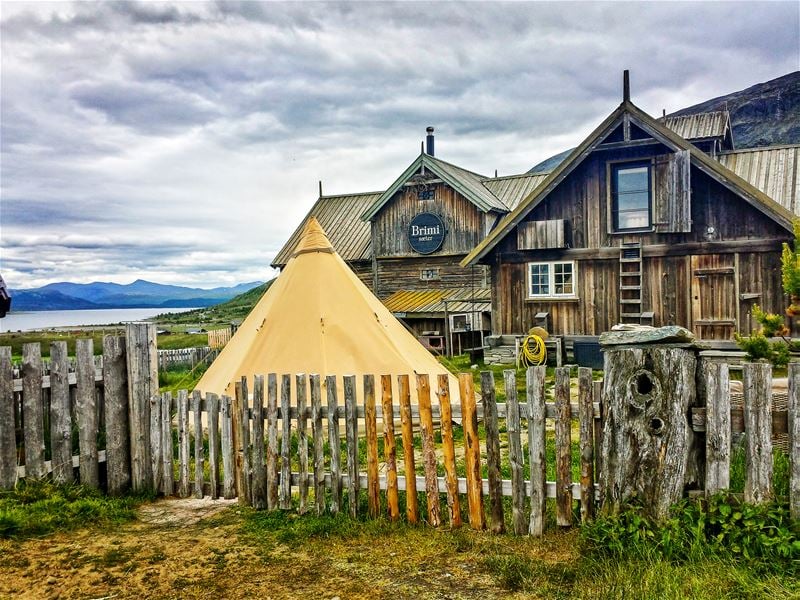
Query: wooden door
(713, 296)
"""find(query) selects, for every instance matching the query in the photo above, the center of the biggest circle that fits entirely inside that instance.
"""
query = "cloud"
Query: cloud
(183, 142)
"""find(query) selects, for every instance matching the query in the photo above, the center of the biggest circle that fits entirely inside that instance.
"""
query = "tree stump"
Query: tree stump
(649, 450)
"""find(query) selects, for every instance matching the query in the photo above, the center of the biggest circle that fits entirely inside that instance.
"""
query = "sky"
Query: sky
(183, 142)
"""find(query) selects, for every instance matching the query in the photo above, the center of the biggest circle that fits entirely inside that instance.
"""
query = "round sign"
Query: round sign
(426, 233)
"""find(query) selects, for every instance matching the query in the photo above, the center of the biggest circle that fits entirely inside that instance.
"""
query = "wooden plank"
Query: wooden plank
(758, 449)
(428, 450)
(8, 447)
(371, 427)
(333, 442)
(409, 466)
(449, 452)
(259, 466)
(492, 452)
(302, 439)
(272, 441)
(198, 445)
(156, 442)
(718, 428)
(183, 443)
(228, 450)
(238, 454)
(33, 410)
(319, 443)
(212, 401)
(351, 433)
(586, 420)
(515, 455)
(389, 449)
(142, 359)
(472, 451)
(61, 419)
(167, 453)
(245, 497)
(597, 415)
(563, 437)
(537, 444)
(794, 440)
(286, 444)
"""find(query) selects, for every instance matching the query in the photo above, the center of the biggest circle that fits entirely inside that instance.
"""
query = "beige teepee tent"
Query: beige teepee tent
(318, 317)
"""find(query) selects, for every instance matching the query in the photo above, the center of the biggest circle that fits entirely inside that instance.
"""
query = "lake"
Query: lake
(45, 319)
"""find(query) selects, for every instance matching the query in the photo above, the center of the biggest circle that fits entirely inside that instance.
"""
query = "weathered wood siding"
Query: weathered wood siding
(404, 274)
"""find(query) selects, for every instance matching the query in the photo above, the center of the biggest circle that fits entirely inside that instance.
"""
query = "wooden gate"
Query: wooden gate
(713, 296)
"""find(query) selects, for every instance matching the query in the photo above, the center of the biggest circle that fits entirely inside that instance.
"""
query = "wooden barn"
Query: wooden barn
(640, 225)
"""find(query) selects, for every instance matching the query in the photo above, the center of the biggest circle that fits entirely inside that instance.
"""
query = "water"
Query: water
(45, 319)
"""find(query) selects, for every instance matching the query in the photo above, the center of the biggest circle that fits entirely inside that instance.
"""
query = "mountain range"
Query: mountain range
(139, 294)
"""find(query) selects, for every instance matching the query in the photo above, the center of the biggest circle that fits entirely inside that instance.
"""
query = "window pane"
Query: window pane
(633, 201)
(635, 219)
(562, 274)
(633, 179)
(540, 279)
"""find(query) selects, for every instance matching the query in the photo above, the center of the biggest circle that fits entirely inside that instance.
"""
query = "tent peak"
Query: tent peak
(313, 239)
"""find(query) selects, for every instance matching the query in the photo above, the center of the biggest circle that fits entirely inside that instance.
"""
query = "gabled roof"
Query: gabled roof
(661, 133)
(467, 183)
(775, 170)
(339, 216)
(512, 189)
(716, 124)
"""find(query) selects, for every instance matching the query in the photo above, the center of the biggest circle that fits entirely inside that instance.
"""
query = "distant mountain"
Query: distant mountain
(235, 309)
(765, 114)
(139, 294)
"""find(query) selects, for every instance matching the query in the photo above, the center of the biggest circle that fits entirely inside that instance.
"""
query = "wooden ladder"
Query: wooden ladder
(630, 282)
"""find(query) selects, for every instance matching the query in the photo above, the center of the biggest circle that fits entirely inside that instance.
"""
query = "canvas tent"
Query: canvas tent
(318, 317)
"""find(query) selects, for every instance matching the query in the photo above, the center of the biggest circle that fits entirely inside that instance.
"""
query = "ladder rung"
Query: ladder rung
(630, 260)
(630, 287)
(631, 315)
(630, 273)
(630, 301)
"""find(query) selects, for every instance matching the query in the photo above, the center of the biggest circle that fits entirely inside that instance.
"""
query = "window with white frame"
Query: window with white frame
(551, 279)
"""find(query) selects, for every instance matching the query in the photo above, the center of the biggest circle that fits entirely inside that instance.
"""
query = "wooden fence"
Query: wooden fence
(217, 338)
(286, 441)
(189, 357)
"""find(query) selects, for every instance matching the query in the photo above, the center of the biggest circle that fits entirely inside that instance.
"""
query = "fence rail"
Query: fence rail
(319, 442)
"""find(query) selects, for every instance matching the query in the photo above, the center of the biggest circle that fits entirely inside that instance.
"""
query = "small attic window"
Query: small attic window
(425, 194)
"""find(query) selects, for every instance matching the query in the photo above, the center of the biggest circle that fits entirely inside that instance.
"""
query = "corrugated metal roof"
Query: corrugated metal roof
(340, 218)
(512, 189)
(473, 182)
(698, 126)
(774, 170)
(432, 300)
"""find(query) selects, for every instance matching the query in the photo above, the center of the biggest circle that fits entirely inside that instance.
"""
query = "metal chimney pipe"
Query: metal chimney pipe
(429, 141)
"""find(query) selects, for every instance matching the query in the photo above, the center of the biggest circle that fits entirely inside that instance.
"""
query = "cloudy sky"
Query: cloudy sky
(182, 142)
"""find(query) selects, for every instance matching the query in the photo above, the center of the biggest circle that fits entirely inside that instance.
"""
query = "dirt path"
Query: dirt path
(197, 549)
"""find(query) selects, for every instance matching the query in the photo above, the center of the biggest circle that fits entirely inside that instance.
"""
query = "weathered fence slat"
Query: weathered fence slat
(212, 401)
(156, 442)
(371, 428)
(198, 445)
(515, 456)
(597, 399)
(272, 441)
(142, 384)
(61, 421)
(449, 452)
(238, 454)
(428, 450)
(537, 444)
(351, 434)
(389, 449)
(489, 402)
(718, 428)
(32, 408)
(472, 451)
(302, 439)
(183, 443)
(563, 431)
(333, 442)
(228, 459)
(794, 440)
(586, 423)
(8, 449)
(286, 444)
(319, 443)
(259, 467)
(409, 463)
(758, 432)
(246, 497)
(166, 444)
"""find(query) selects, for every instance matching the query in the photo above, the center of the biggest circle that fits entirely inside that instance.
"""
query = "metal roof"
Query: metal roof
(339, 217)
(432, 301)
(699, 126)
(512, 189)
(774, 170)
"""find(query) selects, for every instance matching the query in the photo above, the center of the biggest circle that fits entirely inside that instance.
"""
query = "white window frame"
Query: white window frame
(551, 279)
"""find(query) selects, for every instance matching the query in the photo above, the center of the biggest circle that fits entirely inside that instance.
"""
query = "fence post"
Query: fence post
(33, 410)
(492, 452)
(758, 432)
(371, 428)
(537, 444)
(302, 439)
(286, 443)
(351, 435)
(142, 359)
(389, 449)
(272, 441)
(515, 456)
(259, 466)
(448, 450)
(472, 451)
(168, 480)
(563, 448)
(86, 409)
(586, 419)
(407, 430)
(794, 439)
(8, 449)
(718, 428)
(319, 442)
(61, 420)
(333, 442)
(428, 449)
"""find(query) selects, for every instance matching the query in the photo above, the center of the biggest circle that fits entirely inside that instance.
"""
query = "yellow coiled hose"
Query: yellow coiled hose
(534, 352)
